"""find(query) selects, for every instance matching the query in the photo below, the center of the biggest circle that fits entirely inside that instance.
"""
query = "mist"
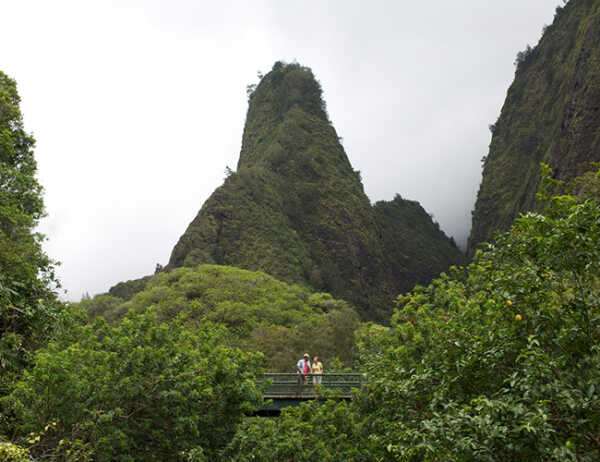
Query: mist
(138, 107)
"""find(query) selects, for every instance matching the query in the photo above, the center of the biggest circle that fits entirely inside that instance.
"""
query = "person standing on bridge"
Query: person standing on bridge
(303, 368)
(317, 370)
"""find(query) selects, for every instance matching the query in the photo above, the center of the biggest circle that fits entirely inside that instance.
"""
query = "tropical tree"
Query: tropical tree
(139, 390)
(496, 361)
(27, 301)
(324, 431)
(501, 361)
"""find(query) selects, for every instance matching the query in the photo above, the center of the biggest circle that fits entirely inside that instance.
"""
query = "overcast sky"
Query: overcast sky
(138, 106)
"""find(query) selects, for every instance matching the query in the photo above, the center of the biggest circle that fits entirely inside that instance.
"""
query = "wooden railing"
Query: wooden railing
(297, 386)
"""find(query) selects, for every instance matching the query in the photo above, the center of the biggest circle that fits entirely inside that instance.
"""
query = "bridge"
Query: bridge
(282, 390)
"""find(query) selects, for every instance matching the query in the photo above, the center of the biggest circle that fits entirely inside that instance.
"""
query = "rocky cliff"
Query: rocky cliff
(551, 114)
(296, 209)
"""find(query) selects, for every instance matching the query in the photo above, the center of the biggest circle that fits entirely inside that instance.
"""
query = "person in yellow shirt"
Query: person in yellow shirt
(317, 370)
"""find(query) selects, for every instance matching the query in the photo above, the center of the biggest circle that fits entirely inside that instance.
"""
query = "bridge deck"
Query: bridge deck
(295, 387)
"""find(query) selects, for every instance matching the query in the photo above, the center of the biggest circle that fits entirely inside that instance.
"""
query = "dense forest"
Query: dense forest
(494, 358)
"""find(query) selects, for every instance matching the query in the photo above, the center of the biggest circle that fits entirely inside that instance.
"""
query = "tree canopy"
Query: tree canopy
(260, 312)
(142, 389)
(27, 302)
(498, 361)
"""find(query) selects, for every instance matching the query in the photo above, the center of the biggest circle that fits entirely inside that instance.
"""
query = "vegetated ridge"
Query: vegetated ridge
(260, 312)
(551, 114)
(296, 209)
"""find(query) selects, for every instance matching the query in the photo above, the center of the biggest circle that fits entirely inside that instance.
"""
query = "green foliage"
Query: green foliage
(103, 305)
(550, 115)
(12, 453)
(261, 313)
(524, 57)
(27, 303)
(555, 195)
(296, 209)
(322, 431)
(587, 186)
(499, 361)
(139, 390)
(416, 249)
(127, 289)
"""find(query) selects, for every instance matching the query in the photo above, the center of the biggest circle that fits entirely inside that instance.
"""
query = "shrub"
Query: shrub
(523, 57)
(12, 453)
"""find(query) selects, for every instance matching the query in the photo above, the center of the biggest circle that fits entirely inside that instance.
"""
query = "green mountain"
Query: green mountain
(551, 114)
(414, 245)
(296, 209)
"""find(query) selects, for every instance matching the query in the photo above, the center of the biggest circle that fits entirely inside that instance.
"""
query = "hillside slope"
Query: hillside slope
(551, 114)
(414, 245)
(260, 312)
(296, 209)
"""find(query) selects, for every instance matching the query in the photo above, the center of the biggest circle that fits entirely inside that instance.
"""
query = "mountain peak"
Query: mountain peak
(296, 209)
(288, 91)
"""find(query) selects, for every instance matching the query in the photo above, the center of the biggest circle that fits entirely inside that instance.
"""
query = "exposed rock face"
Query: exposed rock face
(296, 209)
(551, 114)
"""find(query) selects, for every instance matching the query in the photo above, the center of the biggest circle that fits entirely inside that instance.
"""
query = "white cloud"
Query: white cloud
(138, 106)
